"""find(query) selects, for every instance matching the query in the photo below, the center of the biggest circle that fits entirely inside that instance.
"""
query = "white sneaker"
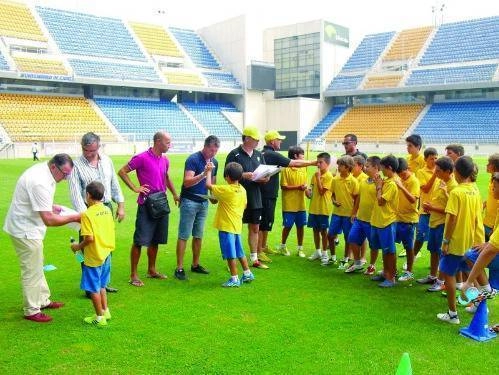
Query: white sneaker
(437, 286)
(315, 256)
(284, 251)
(301, 254)
(406, 276)
(445, 317)
(354, 268)
(325, 261)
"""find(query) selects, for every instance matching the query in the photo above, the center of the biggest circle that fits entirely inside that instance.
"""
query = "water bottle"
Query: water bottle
(78, 254)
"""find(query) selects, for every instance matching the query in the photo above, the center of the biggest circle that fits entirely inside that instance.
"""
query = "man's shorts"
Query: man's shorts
(93, 279)
(252, 216)
(268, 213)
(384, 238)
(359, 232)
(340, 224)
(318, 221)
(230, 245)
(149, 231)
(294, 218)
(423, 228)
(493, 266)
(405, 235)
(435, 239)
(450, 264)
(192, 218)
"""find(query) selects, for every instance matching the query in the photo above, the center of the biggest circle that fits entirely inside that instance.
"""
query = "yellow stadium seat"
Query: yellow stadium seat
(16, 21)
(181, 78)
(408, 44)
(35, 65)
(155, 39)
(374, 82)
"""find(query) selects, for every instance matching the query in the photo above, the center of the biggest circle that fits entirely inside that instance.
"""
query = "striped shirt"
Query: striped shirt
(84, 173)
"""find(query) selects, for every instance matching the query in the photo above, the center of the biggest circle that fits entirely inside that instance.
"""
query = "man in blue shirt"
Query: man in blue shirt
(193, 208)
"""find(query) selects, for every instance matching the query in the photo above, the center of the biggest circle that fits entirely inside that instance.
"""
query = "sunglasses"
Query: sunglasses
(346, 143)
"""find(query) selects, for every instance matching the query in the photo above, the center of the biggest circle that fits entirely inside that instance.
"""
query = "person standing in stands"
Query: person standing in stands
(350, 144)
(152, 173)
(94, 166)
(34, 150)
(193, 208)
(31, 211)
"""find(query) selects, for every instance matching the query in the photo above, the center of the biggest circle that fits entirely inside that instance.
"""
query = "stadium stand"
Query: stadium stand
(3, 63)
(389, 80)
(464, 41)
(183, 78)
(39, 65)
(142, 118)
(210, 116)
(463, 122)
(408, 44)
(221, 79)
(322, 126)
(462, 74)
(346, 82)
(28, 118)
(376, 123)
(195, 47)
(108, 70)
(155, 39)
(16, 21)
(88, 35)
(368, 52)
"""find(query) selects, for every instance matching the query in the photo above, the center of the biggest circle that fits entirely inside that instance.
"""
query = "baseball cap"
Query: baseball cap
(252, 131)
(273, 134)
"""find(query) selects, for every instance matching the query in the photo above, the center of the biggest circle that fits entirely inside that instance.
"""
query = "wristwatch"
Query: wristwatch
(445, 241)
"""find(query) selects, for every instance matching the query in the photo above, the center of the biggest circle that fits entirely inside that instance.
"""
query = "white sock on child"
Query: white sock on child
(253, 257)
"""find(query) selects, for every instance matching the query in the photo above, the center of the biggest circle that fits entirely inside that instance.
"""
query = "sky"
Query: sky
(361, 17)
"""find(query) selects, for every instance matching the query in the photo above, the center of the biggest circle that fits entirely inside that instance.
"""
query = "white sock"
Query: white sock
(253, 257)
(333, 257)
(235, 278)
(459, 285)
(452, 314)
(324, 254)
(99, 318)
(283, 246)
(318, 251)
(246, 272)
(300, 248)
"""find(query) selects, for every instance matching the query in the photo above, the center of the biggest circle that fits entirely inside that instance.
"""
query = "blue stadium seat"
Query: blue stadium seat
(107, 70)
(368, 51)
(461, 122)
(88, 35)
(195, 48)
(462, 74)
(3, 63)
(341, 82)
(221, 79)
(323, 125)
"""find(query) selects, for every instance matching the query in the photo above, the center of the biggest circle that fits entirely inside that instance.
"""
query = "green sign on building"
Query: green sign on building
(336, 34)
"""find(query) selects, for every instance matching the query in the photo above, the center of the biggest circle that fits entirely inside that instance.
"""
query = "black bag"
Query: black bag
(157, 205)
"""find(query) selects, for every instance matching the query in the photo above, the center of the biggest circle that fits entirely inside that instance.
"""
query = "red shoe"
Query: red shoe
(258, 264)
(38, 318)
(54, 305)
(370, 270)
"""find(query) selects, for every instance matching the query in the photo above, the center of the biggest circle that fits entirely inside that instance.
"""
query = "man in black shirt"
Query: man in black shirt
(350, 144)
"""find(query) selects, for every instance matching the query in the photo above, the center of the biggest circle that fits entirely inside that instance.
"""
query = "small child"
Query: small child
(228, 220)
(415, 159)
(358, 168)
(463, 229)
(345, 191)
(293, 185)
(97, 230)
(321, 206)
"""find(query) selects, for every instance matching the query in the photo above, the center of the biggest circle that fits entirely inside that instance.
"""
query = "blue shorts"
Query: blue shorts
(340, 224)
(450, 264)
(359, 232)
(488, 232)
(405, 235)
(423, 228)
(230, 245)
(297, 218)
(435, 239)
(93, 279)
(493, 267)
(318, 221)
(383, 238)
(192, 218)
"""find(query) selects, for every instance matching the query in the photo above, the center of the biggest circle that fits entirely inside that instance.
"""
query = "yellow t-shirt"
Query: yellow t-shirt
(424, 175)
(382, 216)
(416, 162)
(367, 199)
(407, 212)
(231, 204)
(465, 203)
(321, 204)
(489, 218)
(97, 221)
(439, 200)
(361, 177)
(344, 189)
(293, 200)
(494, 237)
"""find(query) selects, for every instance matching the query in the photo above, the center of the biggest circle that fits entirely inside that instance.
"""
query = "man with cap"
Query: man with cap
(250, 158)
(350, 144)
(271, 156)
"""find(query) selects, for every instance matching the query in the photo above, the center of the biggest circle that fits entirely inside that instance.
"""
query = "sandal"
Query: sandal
(136, 282)
(156, 275)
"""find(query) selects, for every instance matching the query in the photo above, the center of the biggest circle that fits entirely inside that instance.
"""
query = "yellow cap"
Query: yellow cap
(273, 134)
(252, 131)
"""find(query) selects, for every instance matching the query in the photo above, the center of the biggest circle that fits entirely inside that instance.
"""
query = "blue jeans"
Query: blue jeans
(192, 219)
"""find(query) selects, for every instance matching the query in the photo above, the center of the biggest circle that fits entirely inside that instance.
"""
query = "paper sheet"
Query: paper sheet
(264, 170)
(65, 211)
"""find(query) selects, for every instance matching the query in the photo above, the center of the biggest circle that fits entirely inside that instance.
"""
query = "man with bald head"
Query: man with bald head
(151, 167)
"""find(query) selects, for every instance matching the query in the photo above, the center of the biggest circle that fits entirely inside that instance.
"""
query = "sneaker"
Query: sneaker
(427, 280)
(354, 268)
(262, 257)
(402, 254)
(406, 276)
(445, 317)
(315, 256)
(325, 261)
(200, 269)
(343, 265)
(93, 320)
(387, 284)
(231, 283)
(301, 254)
(38, 318)
(180, 274)
(110, 289)
(437, 287)
(268, 250)
(284, 251)
(371, 269)
(53, 305)
(247, 279)
(258, 264)
(107, 315)
(378, 277)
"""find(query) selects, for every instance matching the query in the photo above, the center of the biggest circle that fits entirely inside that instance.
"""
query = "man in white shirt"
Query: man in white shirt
(32, 210)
